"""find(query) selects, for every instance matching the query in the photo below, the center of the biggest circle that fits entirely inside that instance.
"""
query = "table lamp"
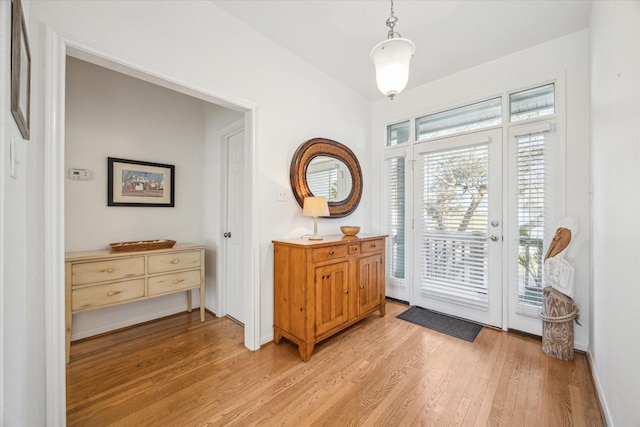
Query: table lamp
(315, 207)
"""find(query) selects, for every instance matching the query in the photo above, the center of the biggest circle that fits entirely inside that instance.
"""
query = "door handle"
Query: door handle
(227, 234)
(494, 238)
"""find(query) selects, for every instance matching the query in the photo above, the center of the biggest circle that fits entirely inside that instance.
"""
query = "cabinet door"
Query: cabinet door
(369, 283)
(332, 296)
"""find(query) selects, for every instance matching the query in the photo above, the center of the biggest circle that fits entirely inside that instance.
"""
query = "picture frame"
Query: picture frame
(139, 183)
(20, 70)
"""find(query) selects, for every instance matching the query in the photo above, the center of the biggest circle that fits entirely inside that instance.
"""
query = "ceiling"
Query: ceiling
(337, 36)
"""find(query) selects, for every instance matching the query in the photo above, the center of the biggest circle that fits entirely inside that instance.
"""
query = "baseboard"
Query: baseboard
(604, 409)
(129, 322)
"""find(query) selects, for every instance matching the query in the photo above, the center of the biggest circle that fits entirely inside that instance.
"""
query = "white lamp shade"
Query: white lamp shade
(392, 58)
(315, 206)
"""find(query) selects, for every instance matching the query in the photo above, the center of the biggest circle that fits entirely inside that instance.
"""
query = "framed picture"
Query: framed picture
(20, 70)
(136, 183)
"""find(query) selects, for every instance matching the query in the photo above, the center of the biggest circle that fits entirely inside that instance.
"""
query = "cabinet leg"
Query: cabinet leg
(305, 351)
(189, 300)
(202, 303)
(383, 308)
(276, 337)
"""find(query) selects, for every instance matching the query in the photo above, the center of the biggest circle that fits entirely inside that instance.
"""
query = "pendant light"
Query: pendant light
(392, 58)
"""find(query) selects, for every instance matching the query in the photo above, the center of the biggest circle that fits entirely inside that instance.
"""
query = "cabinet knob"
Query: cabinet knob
(347, 291)
(108, 270)
(110, 294)
(175, 261)
(332, 253)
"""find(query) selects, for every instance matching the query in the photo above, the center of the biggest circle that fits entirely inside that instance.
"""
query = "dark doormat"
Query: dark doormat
(442, 323)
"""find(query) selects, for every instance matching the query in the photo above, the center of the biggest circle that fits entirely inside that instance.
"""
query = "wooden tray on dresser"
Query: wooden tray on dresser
(142, 245)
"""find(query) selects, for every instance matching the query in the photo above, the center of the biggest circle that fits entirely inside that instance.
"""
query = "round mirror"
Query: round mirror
(324, 168)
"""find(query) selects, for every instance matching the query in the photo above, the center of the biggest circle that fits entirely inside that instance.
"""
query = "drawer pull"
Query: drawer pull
(332, 253)
(175, 261)
(112, 293)
(373, 245)
(175, 282)
(108, 270)
(347, 291)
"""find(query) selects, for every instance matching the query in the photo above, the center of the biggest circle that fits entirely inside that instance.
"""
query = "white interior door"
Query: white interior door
(234, 238)
(458, 226)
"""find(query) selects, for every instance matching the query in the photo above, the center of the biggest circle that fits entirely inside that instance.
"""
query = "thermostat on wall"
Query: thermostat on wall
(81, 174)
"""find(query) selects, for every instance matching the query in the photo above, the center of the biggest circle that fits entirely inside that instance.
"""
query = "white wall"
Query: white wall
(22, 376)
(615, 132)
(219, 55)
(566, 57)
(198, 45)
(109, 114)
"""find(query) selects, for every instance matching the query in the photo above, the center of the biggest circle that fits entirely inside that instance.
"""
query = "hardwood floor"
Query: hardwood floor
(380, 372)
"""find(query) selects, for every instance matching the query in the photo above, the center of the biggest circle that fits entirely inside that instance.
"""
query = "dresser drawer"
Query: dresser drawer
(331, 252)
(354, 248)
(372, 245)
(167, 283)
(173, 262)
(110, 293)
(107, 270)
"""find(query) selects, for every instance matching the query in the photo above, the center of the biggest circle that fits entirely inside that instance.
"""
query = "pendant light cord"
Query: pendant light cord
(391, 22)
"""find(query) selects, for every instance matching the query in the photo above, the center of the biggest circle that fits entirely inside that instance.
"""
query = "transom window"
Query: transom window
(462, 119)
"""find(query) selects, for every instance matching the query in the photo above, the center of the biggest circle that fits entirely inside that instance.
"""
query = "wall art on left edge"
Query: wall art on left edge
(20, 70)
(138, 183)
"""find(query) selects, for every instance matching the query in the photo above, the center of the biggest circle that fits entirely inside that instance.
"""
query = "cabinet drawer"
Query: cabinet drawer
(173, 262)
(110, 293)
(168, 283)
(372, 245)
(102, 271)
(354, 248)
(331, 252)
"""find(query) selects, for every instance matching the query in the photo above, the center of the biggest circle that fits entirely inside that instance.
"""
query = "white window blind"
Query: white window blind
(534, 194)
(532, 103)
(454, 225)
(396, 214)
(462, 119)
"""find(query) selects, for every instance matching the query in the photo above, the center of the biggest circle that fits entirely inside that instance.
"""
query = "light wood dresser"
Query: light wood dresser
(100, 279)
(323, 286)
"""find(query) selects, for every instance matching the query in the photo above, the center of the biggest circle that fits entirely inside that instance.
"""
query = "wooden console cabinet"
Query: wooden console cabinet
(321, 287)
(100, 279)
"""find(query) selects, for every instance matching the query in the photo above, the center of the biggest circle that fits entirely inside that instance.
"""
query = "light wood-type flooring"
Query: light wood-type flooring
(380, 372)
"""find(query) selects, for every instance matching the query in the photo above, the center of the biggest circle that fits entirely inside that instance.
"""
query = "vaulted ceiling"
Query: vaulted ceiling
(337, 35)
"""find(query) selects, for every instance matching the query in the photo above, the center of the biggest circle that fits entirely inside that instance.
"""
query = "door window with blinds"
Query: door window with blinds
(396, 217)
(533, 181)
(454, 225)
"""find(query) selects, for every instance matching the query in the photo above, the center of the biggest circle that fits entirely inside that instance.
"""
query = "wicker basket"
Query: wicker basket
(142, 245)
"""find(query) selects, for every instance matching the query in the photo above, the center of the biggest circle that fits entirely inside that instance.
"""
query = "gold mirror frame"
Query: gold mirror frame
(325, 147)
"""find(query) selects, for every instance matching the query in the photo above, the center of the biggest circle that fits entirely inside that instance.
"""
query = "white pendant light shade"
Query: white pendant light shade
(392, 58)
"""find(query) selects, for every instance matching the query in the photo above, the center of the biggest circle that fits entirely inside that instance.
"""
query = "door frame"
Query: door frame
(56, 48)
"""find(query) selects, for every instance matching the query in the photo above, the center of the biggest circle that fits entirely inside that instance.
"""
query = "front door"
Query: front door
(458, 226)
